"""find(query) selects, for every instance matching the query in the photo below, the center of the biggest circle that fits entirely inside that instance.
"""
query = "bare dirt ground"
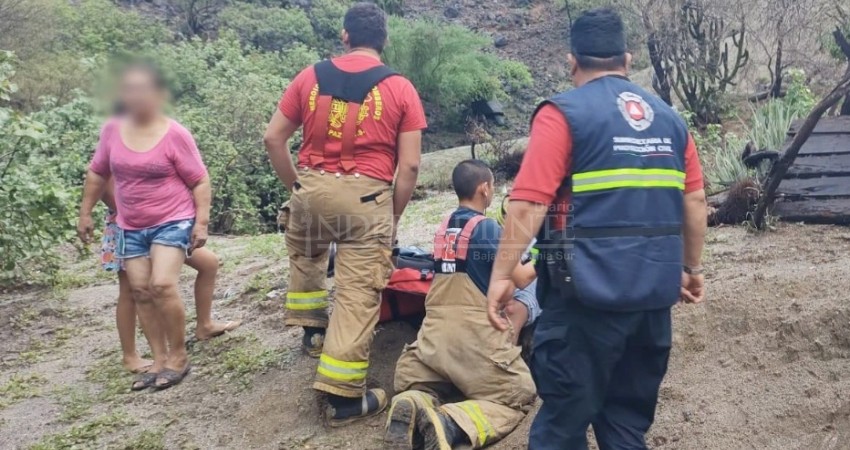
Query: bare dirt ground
(764, 365)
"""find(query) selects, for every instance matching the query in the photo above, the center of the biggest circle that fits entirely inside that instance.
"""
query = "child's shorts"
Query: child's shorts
(137, 243)
(111, 233)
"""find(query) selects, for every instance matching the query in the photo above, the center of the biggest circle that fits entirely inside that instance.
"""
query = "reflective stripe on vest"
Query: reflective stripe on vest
(599, 180)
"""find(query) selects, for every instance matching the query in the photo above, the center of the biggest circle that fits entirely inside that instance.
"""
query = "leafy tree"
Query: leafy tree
(225, 96)
(99, 27)
(268, 28)
(449, 65)
(37, 209)
(326, 16)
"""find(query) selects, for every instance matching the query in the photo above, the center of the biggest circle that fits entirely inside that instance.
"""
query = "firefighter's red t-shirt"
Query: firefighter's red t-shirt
(392, 107)
(548, 159)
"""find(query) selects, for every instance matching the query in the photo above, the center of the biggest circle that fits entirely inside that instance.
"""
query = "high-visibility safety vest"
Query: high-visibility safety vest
(352, 88)
(622, 249)
(451, 245)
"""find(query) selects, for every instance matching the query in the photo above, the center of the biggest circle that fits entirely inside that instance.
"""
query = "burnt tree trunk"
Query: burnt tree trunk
(660, 82)
(776, 89)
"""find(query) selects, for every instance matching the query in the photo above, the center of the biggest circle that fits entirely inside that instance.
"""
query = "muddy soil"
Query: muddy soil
(765, 364)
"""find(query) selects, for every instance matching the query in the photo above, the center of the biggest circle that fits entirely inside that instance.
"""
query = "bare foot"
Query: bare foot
(216, 329)
(134, 364)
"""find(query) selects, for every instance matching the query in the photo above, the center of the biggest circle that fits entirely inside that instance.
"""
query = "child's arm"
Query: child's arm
(523, 275)
(108, 197)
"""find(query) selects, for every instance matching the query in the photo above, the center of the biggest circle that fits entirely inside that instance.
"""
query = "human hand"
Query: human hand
(199, 236)
(693, 288)
(499, 295)
(396, 219)
(85, 228)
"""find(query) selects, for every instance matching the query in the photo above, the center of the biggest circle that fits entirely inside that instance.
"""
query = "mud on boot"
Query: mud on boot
(438, 430)
(343, 411)
(313, 341)
(401, 432)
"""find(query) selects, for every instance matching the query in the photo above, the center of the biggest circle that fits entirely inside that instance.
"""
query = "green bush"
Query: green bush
(770, 122)
(268, 28)
(450, 65)
(98, 26)
(326, 16)
(37, 208)
(719, 153)
(392, 7)
(226, 96)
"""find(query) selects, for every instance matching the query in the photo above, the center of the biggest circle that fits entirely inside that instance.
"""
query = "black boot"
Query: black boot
(401, 432)
(439, 431)
(344, 410)
(313, 341)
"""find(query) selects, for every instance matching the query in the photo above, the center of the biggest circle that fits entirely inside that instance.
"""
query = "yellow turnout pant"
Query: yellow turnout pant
(355, 212)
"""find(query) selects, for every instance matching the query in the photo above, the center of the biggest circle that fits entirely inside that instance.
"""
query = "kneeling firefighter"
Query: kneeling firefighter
(457, 355)
(616, 193)
(362, 121)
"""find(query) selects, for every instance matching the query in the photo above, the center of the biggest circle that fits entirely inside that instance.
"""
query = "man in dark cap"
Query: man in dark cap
(612, 181)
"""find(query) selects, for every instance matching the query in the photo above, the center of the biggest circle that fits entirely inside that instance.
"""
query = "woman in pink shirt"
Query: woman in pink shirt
(162, 192)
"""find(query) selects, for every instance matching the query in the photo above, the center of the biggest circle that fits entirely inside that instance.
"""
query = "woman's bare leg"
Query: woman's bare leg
(125, 319)
(166, 262)
(138, 272)
(206, 263)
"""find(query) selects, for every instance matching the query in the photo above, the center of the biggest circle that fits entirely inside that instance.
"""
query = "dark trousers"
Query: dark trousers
(597, 368)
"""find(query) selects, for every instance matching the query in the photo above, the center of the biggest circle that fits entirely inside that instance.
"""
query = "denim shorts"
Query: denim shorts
(136, 243)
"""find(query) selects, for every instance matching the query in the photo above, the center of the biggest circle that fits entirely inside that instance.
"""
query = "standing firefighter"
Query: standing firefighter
(616, 258)
(361, 121)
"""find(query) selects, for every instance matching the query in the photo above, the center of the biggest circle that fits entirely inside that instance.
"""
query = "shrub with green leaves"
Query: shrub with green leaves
(37, 208)
(268, 28)
(326, 16)
(770, 122)
(98, 26)
(392, 7)
(225, 96)
(450, 65)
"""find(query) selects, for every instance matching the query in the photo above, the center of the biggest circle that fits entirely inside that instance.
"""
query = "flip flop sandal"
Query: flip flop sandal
(144, 381)
(173, 377)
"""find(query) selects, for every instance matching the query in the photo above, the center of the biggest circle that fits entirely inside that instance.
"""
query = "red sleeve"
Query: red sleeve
(693, 168)
(290, 103)
(414, 114)
(547, 159)
(100, 160)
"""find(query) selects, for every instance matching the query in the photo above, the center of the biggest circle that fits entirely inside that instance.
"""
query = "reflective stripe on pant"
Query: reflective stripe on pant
(600, 368)
(356, 213)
